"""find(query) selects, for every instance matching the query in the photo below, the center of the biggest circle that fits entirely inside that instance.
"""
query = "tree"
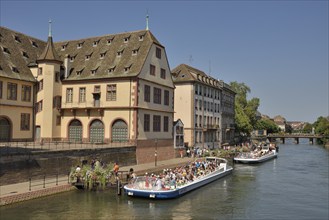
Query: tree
(267, 124)
(245, 111)
(322, 127)
(307, 128)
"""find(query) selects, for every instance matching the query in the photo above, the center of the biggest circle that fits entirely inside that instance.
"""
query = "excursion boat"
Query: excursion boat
(257, 156)
(143, 186)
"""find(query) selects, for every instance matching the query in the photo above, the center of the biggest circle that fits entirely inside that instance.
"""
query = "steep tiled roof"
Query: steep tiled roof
(185, 73)
(17, 51)
(49, 53)
(119, 55)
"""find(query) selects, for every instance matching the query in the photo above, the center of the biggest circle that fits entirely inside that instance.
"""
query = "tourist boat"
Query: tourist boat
(137, 188)
(257, 156)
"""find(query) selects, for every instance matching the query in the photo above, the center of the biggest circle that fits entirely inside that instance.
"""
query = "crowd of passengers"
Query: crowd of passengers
(172, 178)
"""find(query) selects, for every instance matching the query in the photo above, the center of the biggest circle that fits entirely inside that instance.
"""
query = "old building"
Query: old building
(205, 106)
(112, 88)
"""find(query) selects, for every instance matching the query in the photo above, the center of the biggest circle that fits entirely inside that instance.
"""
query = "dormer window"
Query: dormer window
(34, 44)
(72, 58)
(102, 55)
(95, 43)
(17, 39)
(79, 72)
(141, 37)
(79, 45)
(14, 69)
(25, 54)
(135, 51)
(93, 71)
(88, 56)
(109, 41)
(111, 70)
(119, 53)
(5, 50)
(126, 39)
(127, 68)
(63, 47)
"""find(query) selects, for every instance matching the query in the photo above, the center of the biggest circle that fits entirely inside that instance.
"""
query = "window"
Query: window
(158, 53)
(163, 73)
(95, 43)
(5, 50)
(127, 68)
(58, 120)
(157, 95)
(111, 94)
(141, 37)
(156, 123)
(14, 69)
(135, 51)
(57, 76)
(80, 45)
(196, 104)
(102, 55)
(25, 121)
(94, 71)
(40, 85)
(0, 89)
(82, 94)
(126, 39)
(63, 46)
(17, 39)
(152, 70)
(25, 55)
(38, 106)
(97, 89)
(69, 95)
(166, 97)
(57, 102)
(119, 53)
(12, 91)
(109, 41)
(72, 58)
(165, 123)
(34, 44)
(26, 93)
(40, 71)
(111, 70)
(147, 95)
(146, 122)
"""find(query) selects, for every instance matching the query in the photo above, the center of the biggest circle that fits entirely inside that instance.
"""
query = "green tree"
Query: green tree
(267, 124)
(245, 111)
(307, 128)
(322, 127)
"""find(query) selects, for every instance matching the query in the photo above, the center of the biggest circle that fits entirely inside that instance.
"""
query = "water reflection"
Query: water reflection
(293, 186)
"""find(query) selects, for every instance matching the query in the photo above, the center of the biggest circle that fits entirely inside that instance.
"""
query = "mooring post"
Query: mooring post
(30, 183)
(118, 186)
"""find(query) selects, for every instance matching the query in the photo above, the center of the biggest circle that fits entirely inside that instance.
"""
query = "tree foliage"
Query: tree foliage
(245, 110)
(321, 126)
(307, 128)
(267, 124)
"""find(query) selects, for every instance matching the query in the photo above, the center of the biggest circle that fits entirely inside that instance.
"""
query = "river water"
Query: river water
(292, 186)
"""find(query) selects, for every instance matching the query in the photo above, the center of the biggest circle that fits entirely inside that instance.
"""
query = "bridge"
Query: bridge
(296, 137)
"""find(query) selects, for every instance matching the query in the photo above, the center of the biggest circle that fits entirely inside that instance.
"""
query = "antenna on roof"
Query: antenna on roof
(209, 67)
(190, 59)
(49, 32)
(147, 20)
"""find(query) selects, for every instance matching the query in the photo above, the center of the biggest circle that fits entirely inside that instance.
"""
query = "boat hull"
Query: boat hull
(255, 160)
(170, 194)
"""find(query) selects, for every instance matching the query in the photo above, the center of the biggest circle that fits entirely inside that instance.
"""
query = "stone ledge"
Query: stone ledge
(35, 194)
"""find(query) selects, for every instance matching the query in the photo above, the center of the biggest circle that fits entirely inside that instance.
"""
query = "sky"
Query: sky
(277, 48)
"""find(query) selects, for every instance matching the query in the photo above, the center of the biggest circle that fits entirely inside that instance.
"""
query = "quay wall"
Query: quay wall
(35, 194)
(19, 167)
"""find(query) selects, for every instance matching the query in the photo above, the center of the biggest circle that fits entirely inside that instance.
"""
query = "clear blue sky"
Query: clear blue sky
(278, 48)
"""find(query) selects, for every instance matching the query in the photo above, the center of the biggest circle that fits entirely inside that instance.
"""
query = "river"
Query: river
(292, 186)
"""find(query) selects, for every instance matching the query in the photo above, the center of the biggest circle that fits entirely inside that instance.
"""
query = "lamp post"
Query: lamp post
(156, 152)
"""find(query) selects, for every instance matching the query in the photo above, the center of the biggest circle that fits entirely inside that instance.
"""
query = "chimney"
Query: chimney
(66, 65)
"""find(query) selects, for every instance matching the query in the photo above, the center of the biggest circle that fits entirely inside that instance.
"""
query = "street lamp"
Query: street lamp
(156, 152)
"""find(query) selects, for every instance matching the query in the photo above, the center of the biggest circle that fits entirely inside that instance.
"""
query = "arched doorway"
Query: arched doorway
(119, 131)
(75, 131)
(96, 131)
(5, 129)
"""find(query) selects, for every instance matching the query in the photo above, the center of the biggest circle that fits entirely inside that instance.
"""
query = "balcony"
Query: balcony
(82, 105)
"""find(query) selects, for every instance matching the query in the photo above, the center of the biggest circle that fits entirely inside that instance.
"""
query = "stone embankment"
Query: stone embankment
(6, 200)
